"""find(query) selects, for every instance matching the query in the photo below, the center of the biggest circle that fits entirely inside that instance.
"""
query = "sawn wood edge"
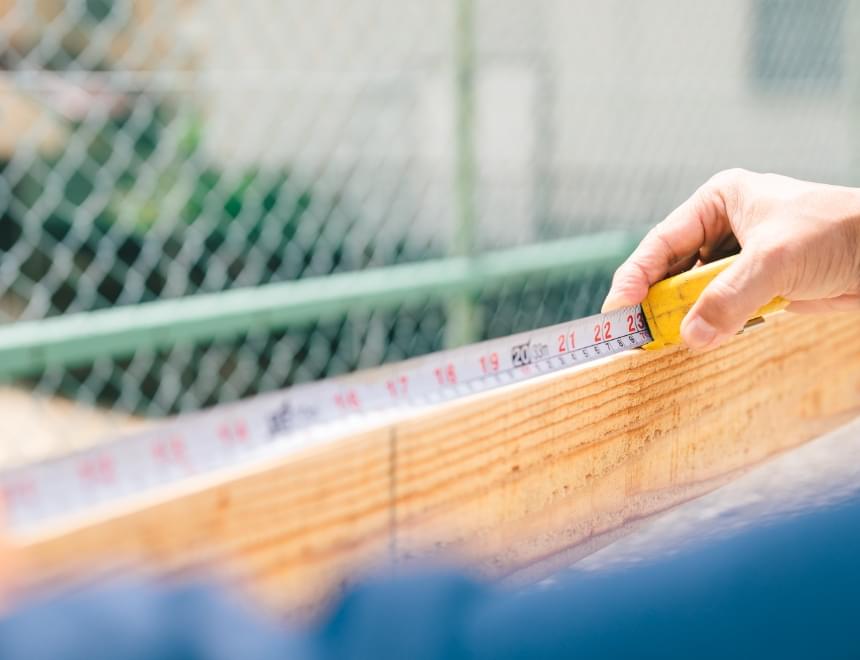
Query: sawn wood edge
(502, 481)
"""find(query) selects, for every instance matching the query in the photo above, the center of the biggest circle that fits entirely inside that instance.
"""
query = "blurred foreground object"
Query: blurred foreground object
(774, 576)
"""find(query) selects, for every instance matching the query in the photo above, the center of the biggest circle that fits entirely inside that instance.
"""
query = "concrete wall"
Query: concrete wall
(656, 96)
(589, 114)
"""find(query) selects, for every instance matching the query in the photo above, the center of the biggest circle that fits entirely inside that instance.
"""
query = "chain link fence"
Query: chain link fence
(155, 149)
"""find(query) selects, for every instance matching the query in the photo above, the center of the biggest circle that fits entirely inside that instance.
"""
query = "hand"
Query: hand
(798, 240)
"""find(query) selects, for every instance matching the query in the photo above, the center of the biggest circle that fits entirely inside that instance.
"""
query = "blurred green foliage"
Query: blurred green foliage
(221, 228)
(136, 211)
(137, 227)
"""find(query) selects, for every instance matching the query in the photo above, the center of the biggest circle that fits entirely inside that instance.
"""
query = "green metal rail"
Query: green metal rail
(29, 346)
(462, 324)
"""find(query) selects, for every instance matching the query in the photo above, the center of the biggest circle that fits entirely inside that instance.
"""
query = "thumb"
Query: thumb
(729, 301)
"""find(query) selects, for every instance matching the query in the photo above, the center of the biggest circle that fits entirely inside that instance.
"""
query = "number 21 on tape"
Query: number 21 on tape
(567, 342)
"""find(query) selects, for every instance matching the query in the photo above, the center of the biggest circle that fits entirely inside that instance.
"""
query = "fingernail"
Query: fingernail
(697, 332)
(613, 301)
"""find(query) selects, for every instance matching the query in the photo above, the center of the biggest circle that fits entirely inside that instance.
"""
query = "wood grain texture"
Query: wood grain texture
(506, 480)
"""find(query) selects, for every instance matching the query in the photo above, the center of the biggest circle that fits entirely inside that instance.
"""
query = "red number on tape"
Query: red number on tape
(398, 386)
(490, 363)
(170, 451)
(17, 491)
(568, 342)
(446, 375)
(233, 432)
(347, 400)
(97, 470)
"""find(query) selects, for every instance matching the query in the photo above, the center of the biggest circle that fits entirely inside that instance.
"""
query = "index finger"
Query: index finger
(700, 221)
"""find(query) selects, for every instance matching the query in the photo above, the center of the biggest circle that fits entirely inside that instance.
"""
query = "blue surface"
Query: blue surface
(765, 567)
(788, 588)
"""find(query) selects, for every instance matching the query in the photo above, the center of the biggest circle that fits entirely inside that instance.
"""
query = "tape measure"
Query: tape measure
(286, 421)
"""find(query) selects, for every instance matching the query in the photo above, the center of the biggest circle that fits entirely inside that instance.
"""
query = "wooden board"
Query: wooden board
(504, 481)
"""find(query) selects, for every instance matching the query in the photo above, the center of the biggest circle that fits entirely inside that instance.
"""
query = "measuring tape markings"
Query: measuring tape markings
(226, 435)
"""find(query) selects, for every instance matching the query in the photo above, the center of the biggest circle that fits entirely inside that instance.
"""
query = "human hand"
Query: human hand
(798, 240)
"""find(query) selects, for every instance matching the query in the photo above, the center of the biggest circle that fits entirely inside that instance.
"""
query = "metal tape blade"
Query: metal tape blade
(282, 421)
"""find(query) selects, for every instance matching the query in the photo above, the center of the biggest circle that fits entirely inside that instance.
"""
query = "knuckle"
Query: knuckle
(719, 304)
(721, 293)
(757, 209)
(635, 270)
(733, 174)
(629, 275)
(620, 274)
(773, 256)
(657, 237)
(729, 179)
(655, 231)
(724, 189)
(775, 262)
(850, 241)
